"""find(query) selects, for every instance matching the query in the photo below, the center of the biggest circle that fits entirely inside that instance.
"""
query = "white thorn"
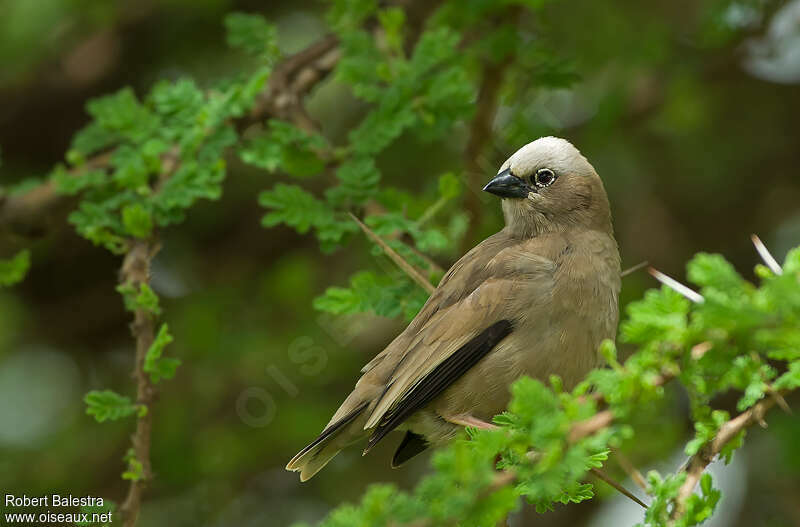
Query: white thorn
(676, 286)
(763, 252)
(633, 269)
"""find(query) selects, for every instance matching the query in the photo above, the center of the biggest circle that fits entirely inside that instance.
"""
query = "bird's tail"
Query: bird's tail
(336, 436)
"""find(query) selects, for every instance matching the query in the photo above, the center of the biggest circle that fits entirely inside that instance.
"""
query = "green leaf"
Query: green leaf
(123, 115)
(143, 298)
(252, 34)
(109, 405)
(135, 471)
(131, 169)
(392, 20)
(71, 183)
(347, 15)
(791, 379)
(791, 265)
(706, 430)
(157, 366)
(662, 314)
(449, 186)
(181, 105)
(726, 452)
(21, 187)
(295, 207)
(338, 300)
(358, 181)
(385, 295)
(137, 220)
(286, 147)
(90, 139)
(13, 270)
(609, 352)
(195, 179)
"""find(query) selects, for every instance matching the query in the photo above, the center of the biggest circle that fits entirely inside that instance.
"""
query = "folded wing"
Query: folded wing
(453, 336)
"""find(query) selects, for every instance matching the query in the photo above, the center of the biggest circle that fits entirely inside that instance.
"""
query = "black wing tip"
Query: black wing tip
(412, 445)
(330, 430)
(446, 373)
(373, 440)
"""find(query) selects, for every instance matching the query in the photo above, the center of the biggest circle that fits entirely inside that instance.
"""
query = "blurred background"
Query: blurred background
(688, 110)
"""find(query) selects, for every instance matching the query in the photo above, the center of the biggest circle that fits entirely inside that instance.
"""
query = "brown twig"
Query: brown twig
(698, 462)
(21, 214)
(589, 426)
(631, 470)
(136, 272)
(508, 476)
(406, 267)
(616, 485)
(604, 418)
(292, 79)
(633, 269)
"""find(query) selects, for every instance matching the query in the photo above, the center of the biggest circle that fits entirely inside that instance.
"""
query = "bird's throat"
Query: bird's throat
(523, 220)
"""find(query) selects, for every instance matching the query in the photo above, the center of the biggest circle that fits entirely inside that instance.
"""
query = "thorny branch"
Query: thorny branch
(406, 267)
(136, 272)
(630, 469)
(728, 431)
(291, 80)
(28, 214)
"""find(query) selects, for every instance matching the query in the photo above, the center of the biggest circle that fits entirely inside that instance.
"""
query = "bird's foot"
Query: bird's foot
(469, 420)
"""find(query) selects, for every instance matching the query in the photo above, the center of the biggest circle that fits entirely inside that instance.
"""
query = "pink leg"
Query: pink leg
(469, 420)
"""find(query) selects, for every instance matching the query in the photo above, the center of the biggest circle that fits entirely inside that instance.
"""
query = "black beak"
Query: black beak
(507, 185)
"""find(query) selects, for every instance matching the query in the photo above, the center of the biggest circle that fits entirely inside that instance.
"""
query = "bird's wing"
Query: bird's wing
(470, 271)
(469, 318)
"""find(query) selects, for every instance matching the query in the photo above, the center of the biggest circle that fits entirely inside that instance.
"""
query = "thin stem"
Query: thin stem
(431, 211)
(136, 271)
(614, 483)
(697, 463)
(633, 269)
(396, 258)
(631, 470)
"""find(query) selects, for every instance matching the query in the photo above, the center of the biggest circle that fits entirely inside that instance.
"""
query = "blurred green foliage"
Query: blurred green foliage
(665, 327)
(13, 269)
(694, 151)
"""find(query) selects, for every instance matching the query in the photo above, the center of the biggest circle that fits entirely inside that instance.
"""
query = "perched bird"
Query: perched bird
(536, 299)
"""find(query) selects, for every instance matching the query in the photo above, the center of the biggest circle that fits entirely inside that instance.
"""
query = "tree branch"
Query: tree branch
(406, 267)
(136, 272)
(630, 469)
(599, 474)
(291, 81)
(27, 215)
(698, 463)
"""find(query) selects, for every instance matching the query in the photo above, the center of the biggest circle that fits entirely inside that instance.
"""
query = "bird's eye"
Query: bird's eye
(544, 177)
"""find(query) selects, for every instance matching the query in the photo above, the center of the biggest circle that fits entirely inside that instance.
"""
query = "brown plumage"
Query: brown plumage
(536, 299)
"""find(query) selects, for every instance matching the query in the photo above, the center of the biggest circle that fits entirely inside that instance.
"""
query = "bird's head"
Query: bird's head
(548, 186)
